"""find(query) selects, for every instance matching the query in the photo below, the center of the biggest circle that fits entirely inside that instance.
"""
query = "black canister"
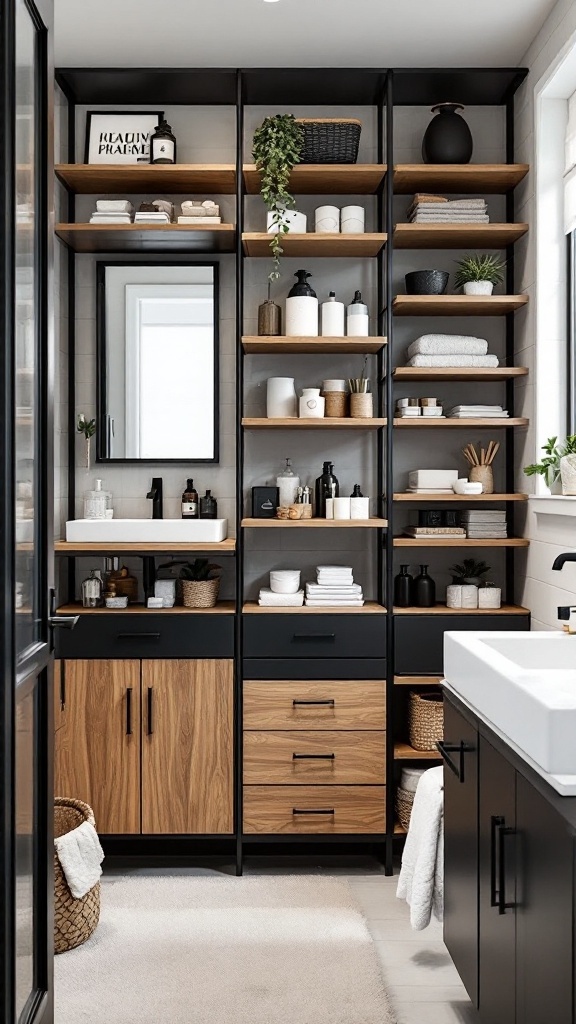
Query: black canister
(424, 589)
(403, 588)
(447, 139)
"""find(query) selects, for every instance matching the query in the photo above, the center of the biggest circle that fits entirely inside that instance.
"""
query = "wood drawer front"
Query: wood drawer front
(341, 704)
(352, 809)
(315, 758)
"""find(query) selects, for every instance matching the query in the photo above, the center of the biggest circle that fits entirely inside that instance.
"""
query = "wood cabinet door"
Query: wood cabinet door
(97, 740)
(187, 747)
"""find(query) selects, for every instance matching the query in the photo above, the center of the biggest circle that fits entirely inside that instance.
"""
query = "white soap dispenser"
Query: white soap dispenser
(96, 502)
(287, 483)
(332, 318)
(302, 308)
(357, 319)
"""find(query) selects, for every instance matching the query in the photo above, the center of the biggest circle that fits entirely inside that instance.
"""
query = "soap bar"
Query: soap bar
(432, 477)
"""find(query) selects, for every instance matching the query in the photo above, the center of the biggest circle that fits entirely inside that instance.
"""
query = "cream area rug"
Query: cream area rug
(193, 950)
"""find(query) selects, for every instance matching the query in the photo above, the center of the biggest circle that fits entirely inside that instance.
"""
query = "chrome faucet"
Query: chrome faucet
(566, 613)
(155, 495)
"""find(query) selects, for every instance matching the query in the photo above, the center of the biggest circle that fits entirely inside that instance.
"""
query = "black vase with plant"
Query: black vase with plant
(277, 148)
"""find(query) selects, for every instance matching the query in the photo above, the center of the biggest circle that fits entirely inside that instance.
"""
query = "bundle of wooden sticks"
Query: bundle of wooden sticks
(485, 457)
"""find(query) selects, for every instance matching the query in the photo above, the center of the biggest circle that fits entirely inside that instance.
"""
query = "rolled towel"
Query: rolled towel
(81, 856)
(455, 360)
(268, 599)
(447, 344)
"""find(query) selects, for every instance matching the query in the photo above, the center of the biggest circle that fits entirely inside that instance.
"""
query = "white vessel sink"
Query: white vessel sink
(525, 685)
(147, 530)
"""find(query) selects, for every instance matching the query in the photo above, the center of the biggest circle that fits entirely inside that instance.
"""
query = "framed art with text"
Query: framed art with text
(120, 136)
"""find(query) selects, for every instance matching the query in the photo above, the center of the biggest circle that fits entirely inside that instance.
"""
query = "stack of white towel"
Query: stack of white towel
(482, 524)
(450, 350)
(334, 588)
(112, 211)
(162, 213)
(478, 412)
(427, 209)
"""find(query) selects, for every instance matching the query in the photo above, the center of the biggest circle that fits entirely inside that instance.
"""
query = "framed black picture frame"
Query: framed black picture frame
(126, 144)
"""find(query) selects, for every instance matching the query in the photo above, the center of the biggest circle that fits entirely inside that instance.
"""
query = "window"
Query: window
(570, 230)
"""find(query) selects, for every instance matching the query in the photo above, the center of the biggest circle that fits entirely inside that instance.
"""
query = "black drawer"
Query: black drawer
(314, 636)
(148, 635)
(319, 668)
(419, 639)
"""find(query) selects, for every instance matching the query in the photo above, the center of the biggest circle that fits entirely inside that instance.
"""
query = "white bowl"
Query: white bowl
(285, 581)
(465, 486)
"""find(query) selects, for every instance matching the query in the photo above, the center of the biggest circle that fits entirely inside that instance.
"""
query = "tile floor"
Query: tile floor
(420, 977)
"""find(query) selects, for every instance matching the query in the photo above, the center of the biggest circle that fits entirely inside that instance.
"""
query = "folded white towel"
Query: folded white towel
(318, 588)
(110, 218)
(334, 581)
(455, 204)
(114, 206)
(446, 344)
(453, 360)
(327, 603)
(450, 218)
(270, 599)
(81, 856)
(335, 568)
(421, 881)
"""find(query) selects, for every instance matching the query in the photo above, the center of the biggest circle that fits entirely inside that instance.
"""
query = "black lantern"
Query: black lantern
(163, 145)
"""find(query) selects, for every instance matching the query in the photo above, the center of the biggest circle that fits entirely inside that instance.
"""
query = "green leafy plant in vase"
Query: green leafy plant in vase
(277, 147)
(470, 572)
(557, 464)
(477, 274)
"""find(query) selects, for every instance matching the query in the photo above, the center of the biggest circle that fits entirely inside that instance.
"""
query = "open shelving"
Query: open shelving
(457, 236)
(172, 179)
(460, 542)
(417, 680)
(325, 423)
(368, 608)
(404, 752)
(442, 609)
(457, 305)
(331, 524)
(268, 345)
(152, 238)
(458, 373)
(362, 246)
(220, 608)
(487, 423)
(325, 179)
(64, 547)
(468, 499)
(490, 179)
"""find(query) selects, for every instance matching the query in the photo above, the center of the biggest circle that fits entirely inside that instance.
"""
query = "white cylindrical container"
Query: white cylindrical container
(489, 597)
(357, 319)
(327, 220)
(359, 508)
(311, 404)
(302, 317)
(281, 400)
(353, 220)
(341, 508)
(454, 596)
(285, 581)
(334, 384)
(329, 508)
(297, 222)
(332, 318)
(478, 288)
(469, 596)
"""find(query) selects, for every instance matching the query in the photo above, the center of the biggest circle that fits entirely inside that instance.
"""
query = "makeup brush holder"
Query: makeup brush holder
(482, 475)
(361, 405)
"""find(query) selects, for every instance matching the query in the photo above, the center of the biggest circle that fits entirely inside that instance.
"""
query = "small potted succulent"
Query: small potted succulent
(470, 573)
(200, 583)
(277, 147)
(477, 275)
(558, 465)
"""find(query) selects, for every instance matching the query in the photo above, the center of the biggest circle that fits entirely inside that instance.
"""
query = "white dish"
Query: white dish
(285, 581)
(465, 486)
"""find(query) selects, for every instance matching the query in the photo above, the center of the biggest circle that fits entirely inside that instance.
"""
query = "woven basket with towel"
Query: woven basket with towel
(77, 859)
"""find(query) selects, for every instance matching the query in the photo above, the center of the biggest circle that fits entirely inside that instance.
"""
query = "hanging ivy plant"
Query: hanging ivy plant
(276, 149)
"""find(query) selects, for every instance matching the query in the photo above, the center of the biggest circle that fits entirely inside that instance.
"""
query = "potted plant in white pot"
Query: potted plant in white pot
(470, 572)
(557, 466)
(477, 274)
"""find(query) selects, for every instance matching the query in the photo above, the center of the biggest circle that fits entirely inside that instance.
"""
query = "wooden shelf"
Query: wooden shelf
(326, 423)
(64, 547)
(255, 345)
(330, 524)
(464, 498)
(221, 608)
(148, 237)
(417, 680)
(488, 423)
(457, 236)
(174, 179)
(404, 752)
(459, 373)
(460, 542)
(490, 179)
(457, 305)
(363, 246)
(369, 608)
(325, 179)
(399, 829)
(441, 609)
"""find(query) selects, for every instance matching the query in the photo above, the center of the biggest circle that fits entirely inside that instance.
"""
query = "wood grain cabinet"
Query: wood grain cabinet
(148, 744)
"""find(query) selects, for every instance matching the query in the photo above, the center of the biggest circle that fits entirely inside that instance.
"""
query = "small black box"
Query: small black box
(451, 517)
(265, 501)
(430, 517)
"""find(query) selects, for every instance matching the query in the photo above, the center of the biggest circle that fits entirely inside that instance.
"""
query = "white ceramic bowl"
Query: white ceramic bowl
(285, 581)
(465, 486)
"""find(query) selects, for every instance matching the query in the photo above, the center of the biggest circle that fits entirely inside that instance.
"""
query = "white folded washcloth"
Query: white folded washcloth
(317, 588)
(267, 598)
(421, 880)
(454, 360)
(81, 856)
(475, 415)
(334, 581)
(335, 568)
(333, 603)
(110, 218)
(454, 204)
(446, 344)
(450, 218)
(114, 206)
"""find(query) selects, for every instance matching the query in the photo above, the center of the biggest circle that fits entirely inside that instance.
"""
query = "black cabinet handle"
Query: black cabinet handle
(138, 636)
(461, 748)
(313, 810)
(150, 729)
(129, 711)
(503, 906)
(316, 637)
(495, 823)
(310, 703)
(313, 757)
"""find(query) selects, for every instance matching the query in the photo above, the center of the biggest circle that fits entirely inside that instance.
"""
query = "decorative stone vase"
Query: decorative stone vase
(483, 475)
(489, 597)
(447, 139)
(568, 474)
(478, 288)
(281, 398)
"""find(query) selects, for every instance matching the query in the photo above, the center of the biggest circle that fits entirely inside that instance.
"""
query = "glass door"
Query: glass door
(26, 512)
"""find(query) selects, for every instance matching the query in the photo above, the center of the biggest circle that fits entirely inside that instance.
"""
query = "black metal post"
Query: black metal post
(510, 384)
(389, 588)
(71, 261)
(238, 688)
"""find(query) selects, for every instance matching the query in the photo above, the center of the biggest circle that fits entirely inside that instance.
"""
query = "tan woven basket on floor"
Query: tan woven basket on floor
(200, 593)
(74, 920)
(404, 801)
(425, 720)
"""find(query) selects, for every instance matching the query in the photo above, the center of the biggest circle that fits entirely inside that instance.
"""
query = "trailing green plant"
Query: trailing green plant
(86, 427)
(479, 268)
(470, 569)
(198, 570)
(549, 466)
(276, 149)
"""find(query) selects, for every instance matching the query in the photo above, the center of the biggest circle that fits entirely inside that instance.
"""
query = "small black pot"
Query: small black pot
(426, 282)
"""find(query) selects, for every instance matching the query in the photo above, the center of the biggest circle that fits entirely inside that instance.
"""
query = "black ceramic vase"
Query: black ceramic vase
(447, 139)
(403, 588)
(426, 282)
(424, 589)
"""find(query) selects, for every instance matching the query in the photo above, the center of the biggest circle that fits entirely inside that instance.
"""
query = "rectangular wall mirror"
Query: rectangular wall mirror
(157, 358)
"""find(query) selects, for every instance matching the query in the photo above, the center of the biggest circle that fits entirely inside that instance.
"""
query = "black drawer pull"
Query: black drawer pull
(150, 728)
(503, 906)
(313, 810)
(129, 711)
(138, 636)
(496, 822)
(309, 703)
(313, 757)
(314, 636)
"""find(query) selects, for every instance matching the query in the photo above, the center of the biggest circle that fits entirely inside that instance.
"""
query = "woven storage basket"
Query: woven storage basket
(425, 720)
(200, 593)
(330, 140)
(404, 801)
(74, 920)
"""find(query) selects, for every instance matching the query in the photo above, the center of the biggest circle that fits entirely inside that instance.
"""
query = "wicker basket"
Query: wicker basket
(200, 593)
(330, 140)
(74, 919)
(404, 801)
(425, 720)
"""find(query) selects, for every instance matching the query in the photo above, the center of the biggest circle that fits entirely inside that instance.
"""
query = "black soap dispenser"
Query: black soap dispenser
(403, 588)
(327, 486)
(208, 507)
(424, 589)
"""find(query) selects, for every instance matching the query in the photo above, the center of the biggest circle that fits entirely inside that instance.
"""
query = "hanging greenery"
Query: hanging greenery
(276, 149)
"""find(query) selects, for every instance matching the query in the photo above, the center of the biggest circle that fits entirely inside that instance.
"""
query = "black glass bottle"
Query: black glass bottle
(208, 507)
(403, 588)
(326, 487)
(424, 589)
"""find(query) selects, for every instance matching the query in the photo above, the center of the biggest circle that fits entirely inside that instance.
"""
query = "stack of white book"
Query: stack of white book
(112, 211)
(334, 588)
(483, 524)
(478, 412)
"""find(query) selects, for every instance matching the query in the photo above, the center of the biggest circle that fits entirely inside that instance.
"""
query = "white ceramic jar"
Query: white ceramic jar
(296, 222)
(284, 581)
(353, 220)
(359, 508)
(281, 400)
(489, 597)
(332, 316)
(327, 220)
(454, 596)
(312, 404)
(302, 317)
(341, 508)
